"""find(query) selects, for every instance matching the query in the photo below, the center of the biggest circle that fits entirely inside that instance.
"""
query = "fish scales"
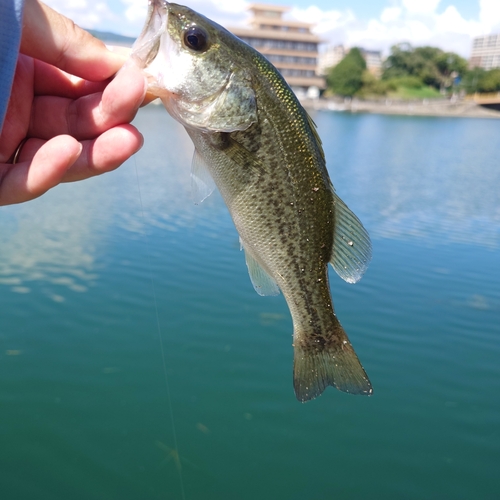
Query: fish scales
(271, 173)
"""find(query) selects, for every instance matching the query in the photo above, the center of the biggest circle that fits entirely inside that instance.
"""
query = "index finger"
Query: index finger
(55, 39)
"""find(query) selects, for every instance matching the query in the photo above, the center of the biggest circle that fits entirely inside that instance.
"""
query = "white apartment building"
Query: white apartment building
(332, 55)
(485, 52)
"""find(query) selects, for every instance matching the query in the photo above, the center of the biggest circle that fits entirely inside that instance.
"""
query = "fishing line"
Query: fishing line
(162, 350)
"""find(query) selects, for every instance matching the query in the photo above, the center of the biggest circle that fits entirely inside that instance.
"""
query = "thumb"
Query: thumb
(55, 39)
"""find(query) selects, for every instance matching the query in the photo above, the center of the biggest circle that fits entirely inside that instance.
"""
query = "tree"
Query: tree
(449, 62)
(471, 79)
(346, 78)
(431, 65)
(490, 81)
(480, 80)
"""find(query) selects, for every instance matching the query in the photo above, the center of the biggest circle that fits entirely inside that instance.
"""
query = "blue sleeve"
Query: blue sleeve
(11, 17)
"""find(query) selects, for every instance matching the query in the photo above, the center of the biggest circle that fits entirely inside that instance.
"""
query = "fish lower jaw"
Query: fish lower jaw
(160, 92)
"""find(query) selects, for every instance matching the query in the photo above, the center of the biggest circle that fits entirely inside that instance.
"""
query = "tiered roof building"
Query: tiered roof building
(289, 45)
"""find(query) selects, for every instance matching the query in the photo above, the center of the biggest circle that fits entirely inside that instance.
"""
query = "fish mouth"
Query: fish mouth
(146, 47)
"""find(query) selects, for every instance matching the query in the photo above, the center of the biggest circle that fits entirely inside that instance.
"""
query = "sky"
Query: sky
(371, 24)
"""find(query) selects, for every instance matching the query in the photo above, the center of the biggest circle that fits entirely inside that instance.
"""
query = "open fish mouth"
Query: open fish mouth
(146, 47)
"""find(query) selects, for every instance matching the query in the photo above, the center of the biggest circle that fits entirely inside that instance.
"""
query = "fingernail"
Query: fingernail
(142, 142)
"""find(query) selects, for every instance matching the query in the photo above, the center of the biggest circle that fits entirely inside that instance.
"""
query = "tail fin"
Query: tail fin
(320, 362)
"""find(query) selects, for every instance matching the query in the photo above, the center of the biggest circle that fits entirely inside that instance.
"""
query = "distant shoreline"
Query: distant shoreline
(463, 108)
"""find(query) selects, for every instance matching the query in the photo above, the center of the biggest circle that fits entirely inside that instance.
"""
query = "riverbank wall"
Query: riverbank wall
(425, 107)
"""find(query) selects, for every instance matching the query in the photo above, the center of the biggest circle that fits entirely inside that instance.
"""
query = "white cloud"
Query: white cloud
(225, 12)
(416, 21)
(127, 17)
(135, 11)
(419, 22)
(233, 6)
(489, 14)
(390, 14)
(324, 21)
(421, 6)
(96, 14)
(450, 21)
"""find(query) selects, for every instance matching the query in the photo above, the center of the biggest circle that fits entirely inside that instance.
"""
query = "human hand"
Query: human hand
(70, 121)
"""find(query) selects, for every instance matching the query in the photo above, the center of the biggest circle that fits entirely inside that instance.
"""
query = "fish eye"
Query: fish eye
(196, 38)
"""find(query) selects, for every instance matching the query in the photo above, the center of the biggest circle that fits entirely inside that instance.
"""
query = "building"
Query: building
(289, 45)
(485, 52)
(332, 55)
(373, 60)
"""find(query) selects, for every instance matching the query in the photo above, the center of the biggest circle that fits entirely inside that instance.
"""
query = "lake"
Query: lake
(137, 361)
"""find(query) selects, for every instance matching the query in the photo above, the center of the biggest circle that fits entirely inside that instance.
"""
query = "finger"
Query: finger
(98, 156)
(122, 97)
(105, 153)
(50, 80)
(123, 52)
(55, 39)
(89, 116)
(29, 179)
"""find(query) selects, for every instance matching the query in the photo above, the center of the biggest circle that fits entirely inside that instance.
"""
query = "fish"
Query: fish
(255, 142)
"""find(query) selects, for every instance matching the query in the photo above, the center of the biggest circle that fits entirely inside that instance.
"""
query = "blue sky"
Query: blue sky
(372, 24)
(366, 9)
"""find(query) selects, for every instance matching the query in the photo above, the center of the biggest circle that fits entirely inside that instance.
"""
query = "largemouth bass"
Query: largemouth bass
(254, 139)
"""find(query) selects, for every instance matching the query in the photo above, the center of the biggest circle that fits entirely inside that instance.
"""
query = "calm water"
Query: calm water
(85, 409)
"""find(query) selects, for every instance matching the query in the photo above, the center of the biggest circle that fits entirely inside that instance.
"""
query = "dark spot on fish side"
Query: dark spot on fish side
(220, 140)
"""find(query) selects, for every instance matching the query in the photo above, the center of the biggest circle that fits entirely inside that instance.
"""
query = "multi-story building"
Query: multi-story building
(373, 60)
(332, 55)
(485, 52)
(289, 45)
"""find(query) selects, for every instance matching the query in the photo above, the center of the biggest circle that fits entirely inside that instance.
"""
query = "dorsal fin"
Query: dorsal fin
(314, 130)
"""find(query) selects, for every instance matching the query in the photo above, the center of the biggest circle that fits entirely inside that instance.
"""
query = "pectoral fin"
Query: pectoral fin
(202, 183)
(352, 249)
(263, 283)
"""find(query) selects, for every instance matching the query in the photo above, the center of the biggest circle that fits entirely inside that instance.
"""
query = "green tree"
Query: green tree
(471, 79)
(346, 78)
(480, 80)
(449, 62)
(372, 87)
(490, 81)
(430, 65)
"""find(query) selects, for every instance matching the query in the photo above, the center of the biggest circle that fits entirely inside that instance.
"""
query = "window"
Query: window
(280, 44)
(297, 72)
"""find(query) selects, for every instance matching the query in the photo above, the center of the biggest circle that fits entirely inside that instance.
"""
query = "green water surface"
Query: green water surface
(137, 362)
